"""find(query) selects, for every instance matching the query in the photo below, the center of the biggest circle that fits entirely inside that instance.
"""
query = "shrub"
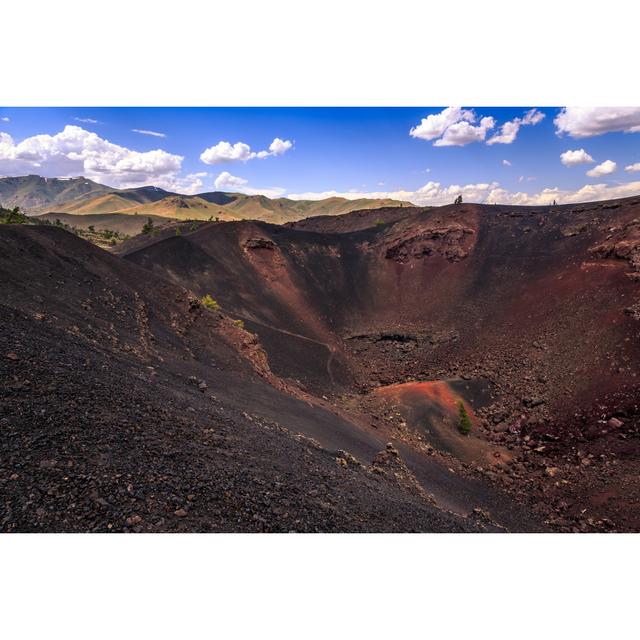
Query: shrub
(458, 200)
(464, 421)
(13, 216)
(239, 323)
(208, 302)
(147, 227)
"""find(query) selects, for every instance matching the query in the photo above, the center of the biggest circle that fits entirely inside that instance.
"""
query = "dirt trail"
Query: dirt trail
(330, 348)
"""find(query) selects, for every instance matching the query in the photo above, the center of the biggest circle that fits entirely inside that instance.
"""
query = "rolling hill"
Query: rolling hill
(37, 195)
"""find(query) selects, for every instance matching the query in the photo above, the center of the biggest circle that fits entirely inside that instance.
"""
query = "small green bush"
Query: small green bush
(208, 302)
(464, 421)
(239, 323)
(147, 227)
(13, 216)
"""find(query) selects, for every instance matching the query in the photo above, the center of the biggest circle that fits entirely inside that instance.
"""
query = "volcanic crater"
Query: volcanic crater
(330, 374)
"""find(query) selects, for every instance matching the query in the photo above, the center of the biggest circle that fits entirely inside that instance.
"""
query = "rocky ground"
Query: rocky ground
(111, 425)
(137, 408)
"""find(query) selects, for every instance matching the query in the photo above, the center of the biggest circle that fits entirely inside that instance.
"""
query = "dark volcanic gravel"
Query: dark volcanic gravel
(97, 435)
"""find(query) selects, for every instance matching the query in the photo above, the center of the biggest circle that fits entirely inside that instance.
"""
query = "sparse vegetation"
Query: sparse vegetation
(12, 216)
(464, 421)
(147, 227)
(101, 237)
(239, 323)
(379, 222)
(208, 302)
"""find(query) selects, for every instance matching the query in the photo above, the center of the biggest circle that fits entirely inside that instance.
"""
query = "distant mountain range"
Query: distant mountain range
(80, 196)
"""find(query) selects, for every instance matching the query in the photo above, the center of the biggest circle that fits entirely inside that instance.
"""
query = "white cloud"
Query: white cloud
(86, 120)
(583, 122)
(226, 152)
(509, 130)
(4, 119)
(146, 132)
(277, 148)
(533, 116)
(435, 194)
(430, 194)
(452, 127)
(633, 167)
(191, 184)
(506, 163)
(455, 126)
(577, 156)
(241, 152)
(227, 182)
(463, 132)
(436, 124)
(75, 151)
(603, 169)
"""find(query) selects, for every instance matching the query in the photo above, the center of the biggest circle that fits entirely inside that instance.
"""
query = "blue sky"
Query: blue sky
(426, 155)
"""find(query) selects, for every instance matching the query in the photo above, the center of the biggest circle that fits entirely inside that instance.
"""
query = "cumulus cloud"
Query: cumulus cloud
(633, 167)
(506, 163)
(241, 152)
(75, 151)
(509, 130)
(463, 132)
(603, 169)
(577, 156)
(436, 194)
(227, 182)
(436, 124)
(147, 132)
(583, 122)
(276, 148)
(453, 126)
(432, 193)
(190, 184)
(226, 152)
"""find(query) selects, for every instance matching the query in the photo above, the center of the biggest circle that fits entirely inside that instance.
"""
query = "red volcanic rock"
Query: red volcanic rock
(449, 242)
